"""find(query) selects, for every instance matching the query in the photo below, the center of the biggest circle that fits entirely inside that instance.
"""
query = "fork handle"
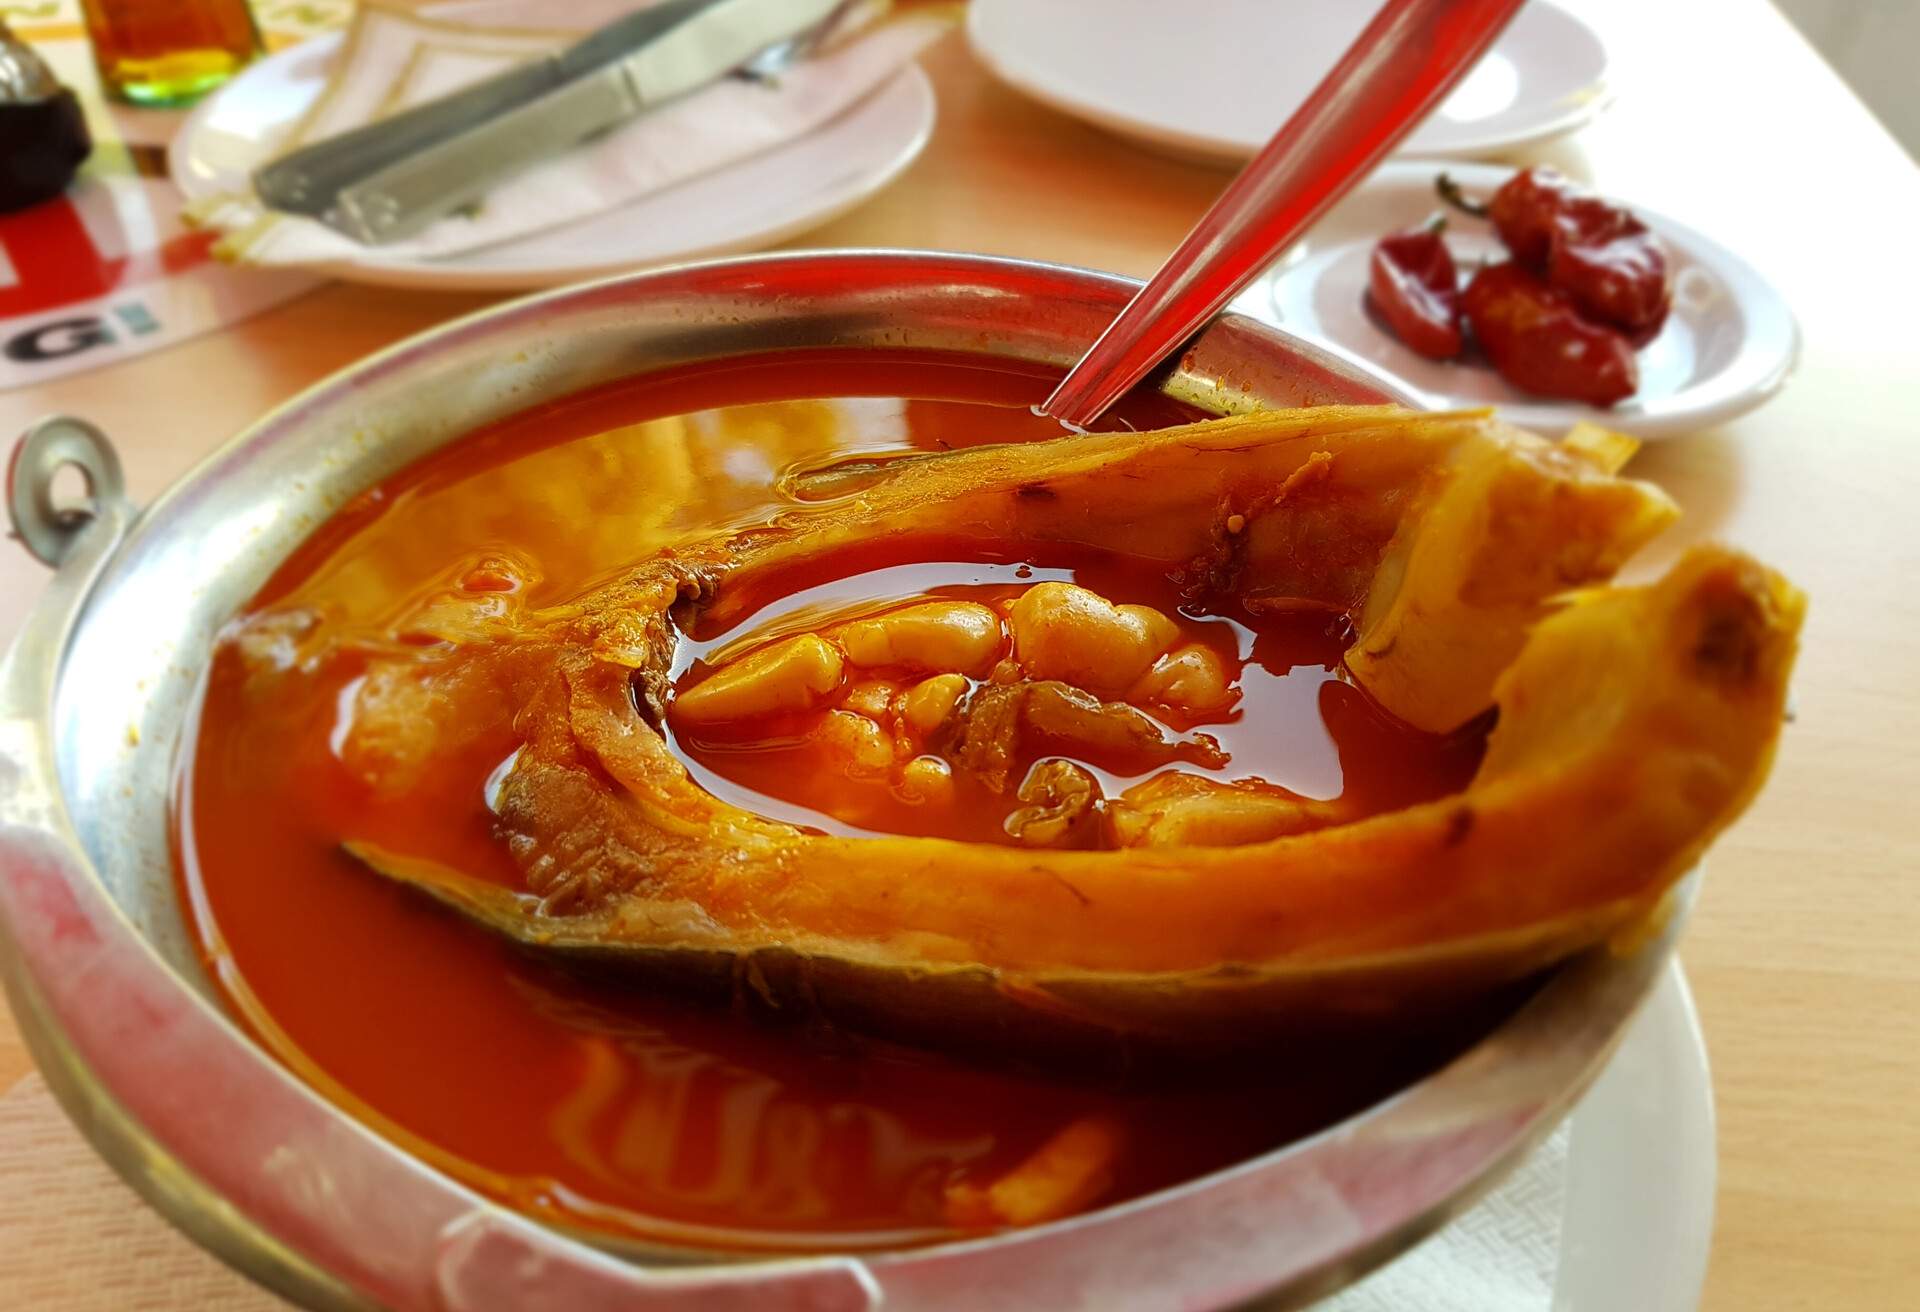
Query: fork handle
(1400, 67)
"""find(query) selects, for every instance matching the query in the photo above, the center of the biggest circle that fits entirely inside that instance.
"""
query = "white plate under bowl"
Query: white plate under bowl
(1635, 1183)
(1641, 1169)
(756, 202)
(1729, 344)
(1212, 81)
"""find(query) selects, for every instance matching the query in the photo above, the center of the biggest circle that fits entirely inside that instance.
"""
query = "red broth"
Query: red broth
(621, 1110)
(1296, 723)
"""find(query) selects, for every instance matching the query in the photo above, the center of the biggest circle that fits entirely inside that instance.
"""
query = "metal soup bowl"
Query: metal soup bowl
(133, 1038)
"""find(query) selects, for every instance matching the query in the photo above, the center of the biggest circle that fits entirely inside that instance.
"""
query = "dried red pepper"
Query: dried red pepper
(1600, 254)
(1608, 262)
(1416, 289)
(1540, 341)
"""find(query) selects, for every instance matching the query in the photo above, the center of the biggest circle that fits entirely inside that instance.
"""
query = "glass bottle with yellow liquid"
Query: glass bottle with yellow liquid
(169, 52)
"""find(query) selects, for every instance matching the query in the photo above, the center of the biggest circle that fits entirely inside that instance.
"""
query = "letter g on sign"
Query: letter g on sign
(60, 337)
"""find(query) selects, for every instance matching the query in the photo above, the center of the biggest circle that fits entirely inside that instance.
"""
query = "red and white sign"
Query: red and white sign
(108, 270)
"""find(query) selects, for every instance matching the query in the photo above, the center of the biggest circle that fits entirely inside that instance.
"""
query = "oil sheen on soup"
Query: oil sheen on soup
(623, 1109)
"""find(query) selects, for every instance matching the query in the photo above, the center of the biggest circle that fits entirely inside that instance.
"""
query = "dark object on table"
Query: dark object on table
(43, 135)
(1413, 285)
(1540, 341)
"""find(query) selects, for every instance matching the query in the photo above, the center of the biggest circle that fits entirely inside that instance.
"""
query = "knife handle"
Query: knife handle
(411, 193)
(307, 180)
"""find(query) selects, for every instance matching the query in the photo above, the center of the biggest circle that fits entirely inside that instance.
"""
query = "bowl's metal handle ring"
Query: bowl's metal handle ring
(49, 531)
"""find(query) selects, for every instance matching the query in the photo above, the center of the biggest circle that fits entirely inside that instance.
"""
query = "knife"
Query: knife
(305, 181)
(389, 179)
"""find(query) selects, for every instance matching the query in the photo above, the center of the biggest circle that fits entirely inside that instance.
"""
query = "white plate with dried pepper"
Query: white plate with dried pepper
(1528, 291)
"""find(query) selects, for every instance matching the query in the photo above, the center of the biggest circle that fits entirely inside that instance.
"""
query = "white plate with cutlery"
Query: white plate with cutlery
(743, 206)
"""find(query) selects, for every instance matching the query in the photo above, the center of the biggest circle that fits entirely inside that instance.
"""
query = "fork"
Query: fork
(769, 64)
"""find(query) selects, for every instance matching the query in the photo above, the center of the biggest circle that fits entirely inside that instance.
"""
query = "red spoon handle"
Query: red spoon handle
(1408, 58)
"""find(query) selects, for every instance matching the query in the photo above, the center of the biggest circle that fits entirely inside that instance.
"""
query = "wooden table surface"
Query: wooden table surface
(1803, 952)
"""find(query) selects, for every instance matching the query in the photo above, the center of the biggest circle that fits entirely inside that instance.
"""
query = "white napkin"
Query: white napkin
(1502, 1256)
(394, 59)
(72, 1236)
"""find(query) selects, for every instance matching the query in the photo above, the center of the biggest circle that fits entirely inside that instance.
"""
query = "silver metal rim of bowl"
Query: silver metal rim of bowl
(258, 1167)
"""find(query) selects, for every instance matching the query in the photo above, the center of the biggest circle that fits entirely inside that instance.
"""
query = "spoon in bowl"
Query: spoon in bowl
(1408, 58)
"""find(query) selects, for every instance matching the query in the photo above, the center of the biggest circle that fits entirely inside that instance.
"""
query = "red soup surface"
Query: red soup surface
(624, 1110)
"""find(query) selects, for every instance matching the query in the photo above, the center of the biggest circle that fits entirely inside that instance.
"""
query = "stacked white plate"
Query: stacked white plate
(1212, 81)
